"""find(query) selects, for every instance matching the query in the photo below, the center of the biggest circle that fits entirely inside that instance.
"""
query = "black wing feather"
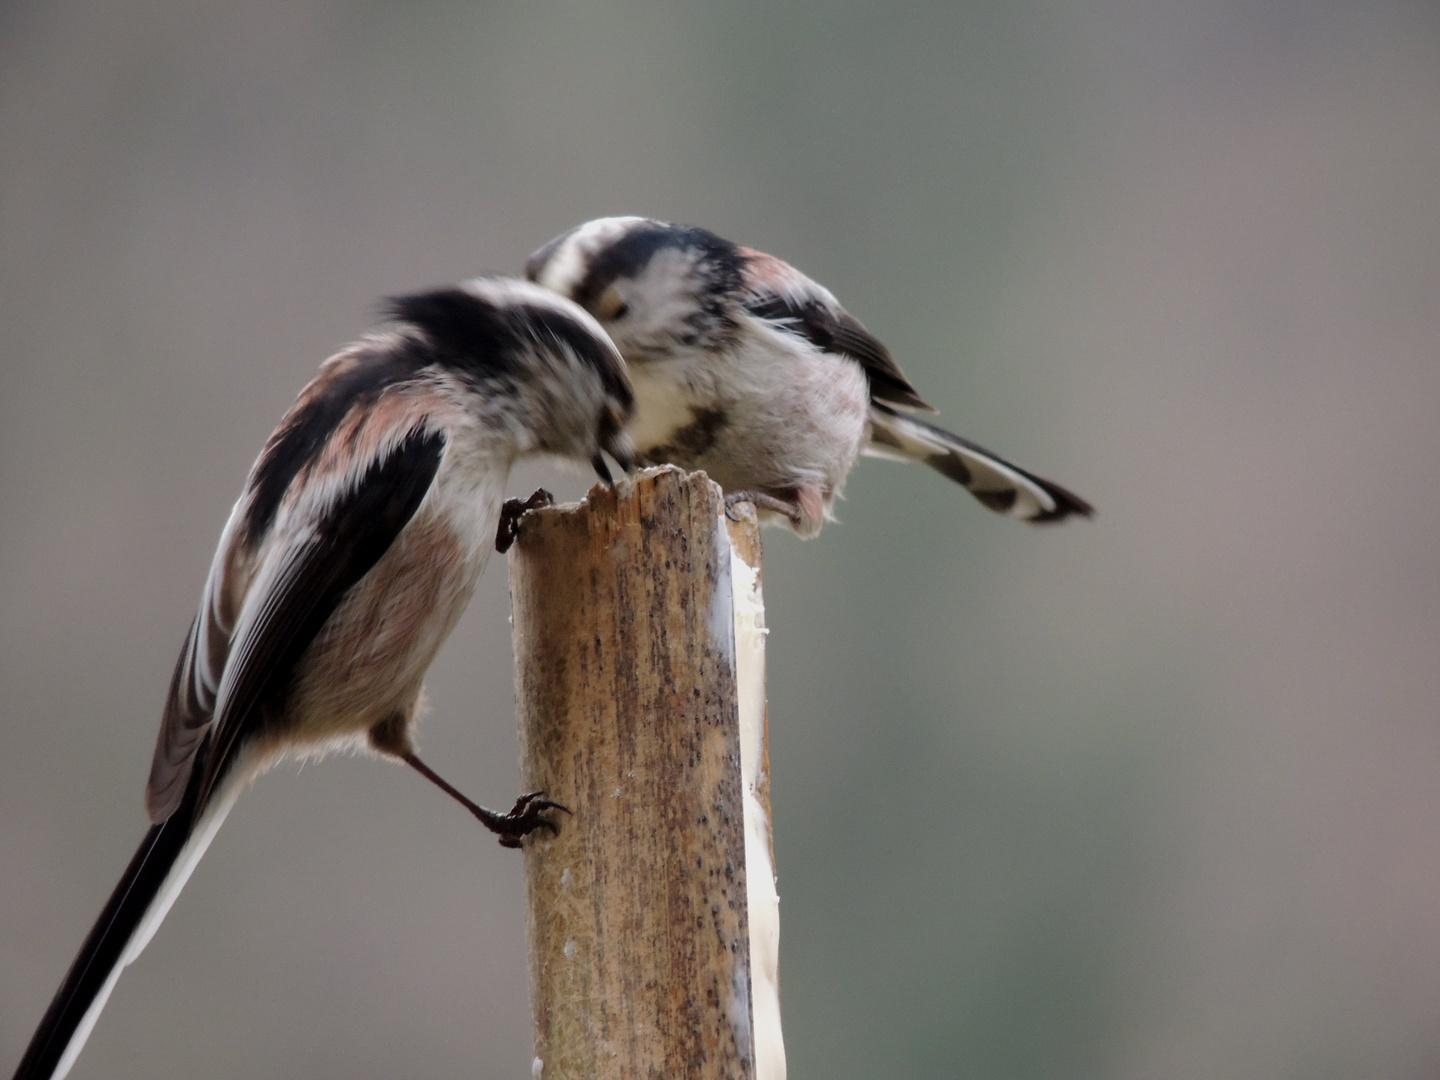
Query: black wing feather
(108, 938)
(347, 542)
(840, 332)
(345, 545)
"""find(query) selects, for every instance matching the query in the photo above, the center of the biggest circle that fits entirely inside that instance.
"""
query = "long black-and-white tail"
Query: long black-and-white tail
(1004, 488)
(151, 882)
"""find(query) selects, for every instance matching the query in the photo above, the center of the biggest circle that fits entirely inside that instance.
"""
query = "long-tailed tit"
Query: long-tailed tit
(746, 368)
(354, 548)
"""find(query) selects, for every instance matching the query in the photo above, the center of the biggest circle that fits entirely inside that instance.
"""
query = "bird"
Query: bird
(747, 369)
(354, 547)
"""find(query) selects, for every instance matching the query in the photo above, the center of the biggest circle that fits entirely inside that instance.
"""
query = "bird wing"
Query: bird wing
(261, 612)
(831, 328)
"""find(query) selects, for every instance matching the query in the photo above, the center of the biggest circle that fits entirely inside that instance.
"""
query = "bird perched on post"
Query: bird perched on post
(746, 368)
(352, 551)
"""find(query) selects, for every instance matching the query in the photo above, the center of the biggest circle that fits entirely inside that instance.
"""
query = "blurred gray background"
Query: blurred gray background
(1153, 796)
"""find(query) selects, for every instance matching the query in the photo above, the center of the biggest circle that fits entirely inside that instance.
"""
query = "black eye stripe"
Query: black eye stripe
(630, 254)
(469, 334)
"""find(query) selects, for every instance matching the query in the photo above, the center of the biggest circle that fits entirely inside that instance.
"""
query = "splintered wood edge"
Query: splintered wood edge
(763, 901)
(602, 499)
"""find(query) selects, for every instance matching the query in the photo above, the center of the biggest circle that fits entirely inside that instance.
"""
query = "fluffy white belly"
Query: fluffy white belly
(664, 402)
(773, 414)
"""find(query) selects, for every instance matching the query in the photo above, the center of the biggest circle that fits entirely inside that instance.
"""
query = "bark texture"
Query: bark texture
(626, 694)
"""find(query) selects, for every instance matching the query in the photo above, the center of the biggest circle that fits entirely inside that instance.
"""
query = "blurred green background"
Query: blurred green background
(1153, 796)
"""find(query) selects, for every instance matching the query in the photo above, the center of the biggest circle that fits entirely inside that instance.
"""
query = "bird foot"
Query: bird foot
(761, 501)
(511, 513)
(527, 815)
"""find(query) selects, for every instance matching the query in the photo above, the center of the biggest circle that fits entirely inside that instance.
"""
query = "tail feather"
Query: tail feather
(1004, 488)
(156, 874)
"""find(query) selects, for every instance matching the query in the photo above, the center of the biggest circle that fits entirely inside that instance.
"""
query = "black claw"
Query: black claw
(512, 511)
(534, 802)
(602, 470)
(524, 817)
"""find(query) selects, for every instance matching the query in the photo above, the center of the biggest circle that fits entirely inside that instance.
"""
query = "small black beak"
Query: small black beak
(623, 457)
(602, 470)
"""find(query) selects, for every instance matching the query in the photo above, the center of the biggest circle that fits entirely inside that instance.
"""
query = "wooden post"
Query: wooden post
(627, 675)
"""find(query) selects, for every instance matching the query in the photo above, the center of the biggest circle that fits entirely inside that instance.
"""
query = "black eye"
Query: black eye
(620, 312)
